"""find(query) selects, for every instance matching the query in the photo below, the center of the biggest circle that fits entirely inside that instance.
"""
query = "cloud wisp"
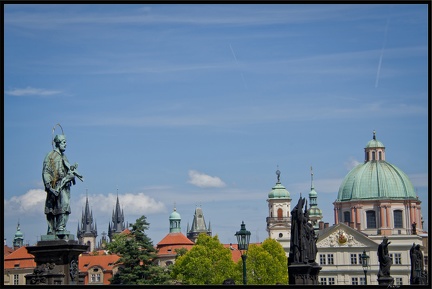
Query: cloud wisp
(31, 91)
(204, 181)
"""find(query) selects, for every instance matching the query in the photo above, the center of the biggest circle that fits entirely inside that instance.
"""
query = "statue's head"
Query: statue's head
(60, 142)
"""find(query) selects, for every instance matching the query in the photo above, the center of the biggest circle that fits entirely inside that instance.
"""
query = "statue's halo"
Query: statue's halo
(52, 140)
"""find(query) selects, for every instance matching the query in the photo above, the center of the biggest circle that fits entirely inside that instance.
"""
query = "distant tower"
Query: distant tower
(315, 214)
(103, 242)
(88, 232)
(118, 225)
(18, 240)
(175, 220)
(279, 218)
(198, 226)
(167, 247)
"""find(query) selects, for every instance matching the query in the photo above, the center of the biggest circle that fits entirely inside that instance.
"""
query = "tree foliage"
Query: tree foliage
(137, 255)
(208, 262)
(265, 264)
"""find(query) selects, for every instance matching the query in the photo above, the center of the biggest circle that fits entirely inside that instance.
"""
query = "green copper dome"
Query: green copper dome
(376, 180)
(175, 216)
(374, 144)
(18, 234)
(279, 192)
(313, 193)
(315, 211)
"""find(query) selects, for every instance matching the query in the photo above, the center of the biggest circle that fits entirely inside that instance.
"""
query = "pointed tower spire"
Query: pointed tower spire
(18, 240)
(198, 225)
(315, 213)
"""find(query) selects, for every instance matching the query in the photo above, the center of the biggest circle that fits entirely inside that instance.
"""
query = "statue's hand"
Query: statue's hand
(54, 192)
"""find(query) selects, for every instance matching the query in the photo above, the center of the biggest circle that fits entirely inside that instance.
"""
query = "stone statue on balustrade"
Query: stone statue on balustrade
(418, 274)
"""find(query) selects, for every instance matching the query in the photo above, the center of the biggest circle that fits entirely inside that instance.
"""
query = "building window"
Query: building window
(331, 281)
(362, 281)
(95, 278)
(280, 214)
(397, 259)
(380, 155)
(353, 259)
(323, 281)
(397, 216)
(354, 281)
(16, 279)
(373, 156)
(330, 259)
(347, 217)
(370, 220)
(322, 259)
(398, 281)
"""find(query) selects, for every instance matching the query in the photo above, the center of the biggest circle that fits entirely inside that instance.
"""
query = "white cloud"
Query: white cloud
(204, 181)
(132, 204)
(30, 203)
(351, 163)
(31, 91)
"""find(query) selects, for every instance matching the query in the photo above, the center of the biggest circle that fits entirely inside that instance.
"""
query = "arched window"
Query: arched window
(347, 217)
(397, 217)
(280, 214)
(380, 155)
(367, 156)
(373, 156)
(370, 220)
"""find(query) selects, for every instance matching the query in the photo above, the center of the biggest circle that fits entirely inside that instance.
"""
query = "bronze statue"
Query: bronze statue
(303, 247)
(384, 258)
(58, 176)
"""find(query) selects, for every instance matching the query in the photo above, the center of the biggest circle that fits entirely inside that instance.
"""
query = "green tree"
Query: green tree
(137, 256)
(208, 262)
(180, 252)
(265, 264)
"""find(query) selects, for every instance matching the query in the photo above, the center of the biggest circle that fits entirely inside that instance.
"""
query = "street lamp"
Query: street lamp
(243, 237)
(365, 263)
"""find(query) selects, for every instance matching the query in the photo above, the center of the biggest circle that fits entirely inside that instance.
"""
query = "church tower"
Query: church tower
(198, 226)
(18, 240)
(175, 220)
(279, 214)
(315, 213)
(87, 233)
(117, 225)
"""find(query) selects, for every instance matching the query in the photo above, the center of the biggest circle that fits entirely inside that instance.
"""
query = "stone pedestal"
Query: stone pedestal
(56, 261)
(385, 281)
(303, 274)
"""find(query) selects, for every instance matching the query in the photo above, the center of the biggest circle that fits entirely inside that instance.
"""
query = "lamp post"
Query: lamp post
(243, 237)
(365, 263)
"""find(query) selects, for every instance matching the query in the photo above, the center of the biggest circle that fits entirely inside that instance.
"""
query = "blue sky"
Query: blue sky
(199, 105)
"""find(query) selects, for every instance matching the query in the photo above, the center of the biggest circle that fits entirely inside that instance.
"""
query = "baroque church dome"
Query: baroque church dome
(376, 178)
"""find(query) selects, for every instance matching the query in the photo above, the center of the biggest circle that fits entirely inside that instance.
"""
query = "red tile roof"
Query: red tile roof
(106, 262)
(7, 250)
(19, 258)
(175, 239)
(235, 253)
